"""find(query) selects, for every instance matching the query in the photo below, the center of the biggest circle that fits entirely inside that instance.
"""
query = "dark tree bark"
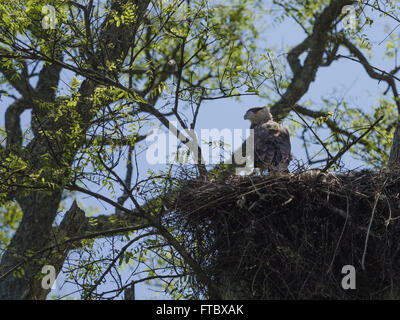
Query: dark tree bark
(33, 234)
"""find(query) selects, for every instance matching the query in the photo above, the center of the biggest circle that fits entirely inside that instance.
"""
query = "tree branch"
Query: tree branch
(315, 44)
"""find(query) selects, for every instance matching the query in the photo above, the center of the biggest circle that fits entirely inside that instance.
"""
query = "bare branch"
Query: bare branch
(315, 44)
(349, 145)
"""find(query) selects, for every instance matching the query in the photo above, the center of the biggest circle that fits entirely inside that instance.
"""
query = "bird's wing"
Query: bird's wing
(264, 146)
(273, 141)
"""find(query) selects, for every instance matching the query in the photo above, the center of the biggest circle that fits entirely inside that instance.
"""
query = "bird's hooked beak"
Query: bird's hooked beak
(248, 116)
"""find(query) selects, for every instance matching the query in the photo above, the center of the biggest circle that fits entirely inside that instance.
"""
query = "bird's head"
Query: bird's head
(258, 115)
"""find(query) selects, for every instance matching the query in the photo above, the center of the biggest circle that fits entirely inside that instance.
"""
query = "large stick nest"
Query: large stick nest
(288, 236)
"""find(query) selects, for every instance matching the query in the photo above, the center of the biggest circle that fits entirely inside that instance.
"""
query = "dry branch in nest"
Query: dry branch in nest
(288, 236)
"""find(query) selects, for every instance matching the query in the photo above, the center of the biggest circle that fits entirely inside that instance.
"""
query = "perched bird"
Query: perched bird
(271, 141)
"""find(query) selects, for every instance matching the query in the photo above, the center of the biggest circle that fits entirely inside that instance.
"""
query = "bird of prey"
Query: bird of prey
(271, 141)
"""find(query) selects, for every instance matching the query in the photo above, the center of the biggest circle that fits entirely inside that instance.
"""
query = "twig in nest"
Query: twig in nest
(341, 235)
(370, 224)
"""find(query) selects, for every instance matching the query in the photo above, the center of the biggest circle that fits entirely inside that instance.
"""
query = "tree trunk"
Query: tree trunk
(39, 211)
(394, 158)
